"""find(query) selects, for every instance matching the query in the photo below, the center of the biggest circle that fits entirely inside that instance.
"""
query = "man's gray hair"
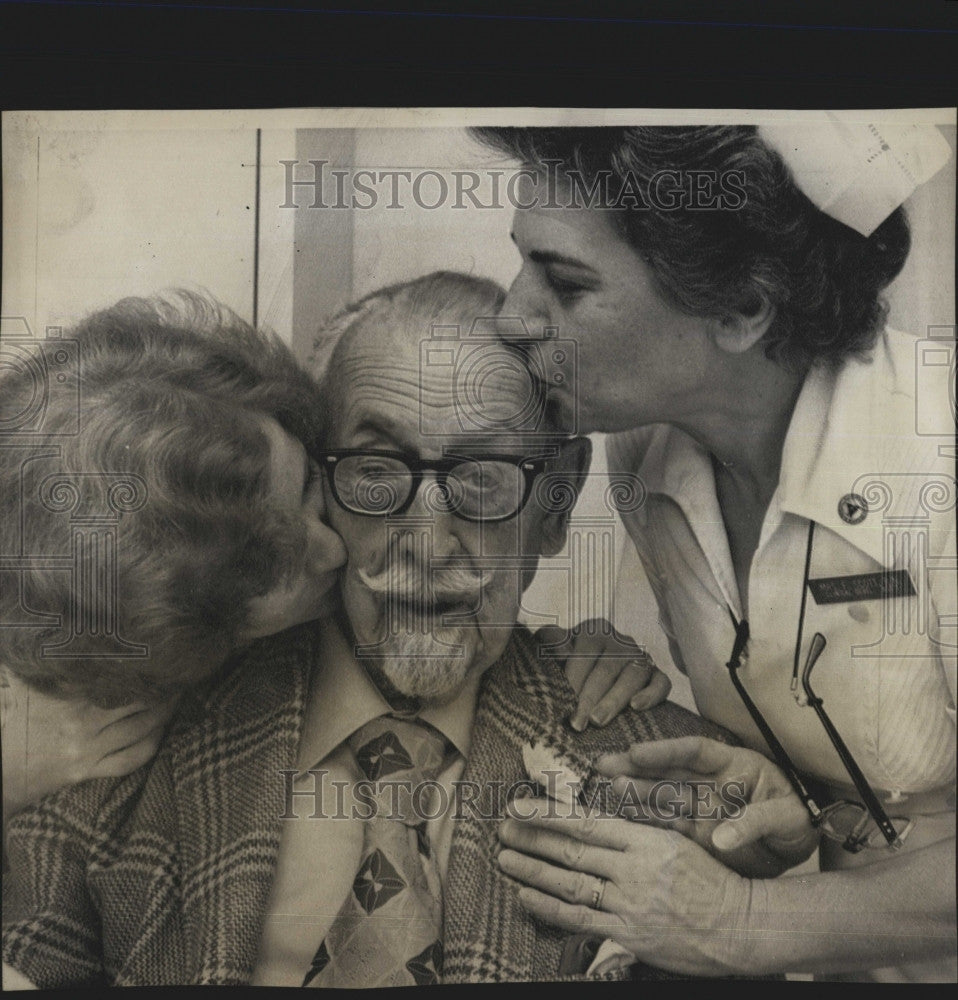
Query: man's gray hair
(442, 296)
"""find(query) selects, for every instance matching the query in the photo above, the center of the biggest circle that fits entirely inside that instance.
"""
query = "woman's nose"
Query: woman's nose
(326, 550)
(523, 313)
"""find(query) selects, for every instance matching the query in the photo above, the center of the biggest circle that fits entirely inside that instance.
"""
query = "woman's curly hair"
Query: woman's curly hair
(823, 278)
(171, 394)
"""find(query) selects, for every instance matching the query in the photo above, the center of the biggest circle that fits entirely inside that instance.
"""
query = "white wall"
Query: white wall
(924, 293)
(394, 245)
(91, 216)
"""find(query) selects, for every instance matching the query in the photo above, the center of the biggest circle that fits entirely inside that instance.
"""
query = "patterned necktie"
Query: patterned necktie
(388, 932)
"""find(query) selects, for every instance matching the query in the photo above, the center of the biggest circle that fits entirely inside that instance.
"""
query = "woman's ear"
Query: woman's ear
(572, 464)
(737, 333)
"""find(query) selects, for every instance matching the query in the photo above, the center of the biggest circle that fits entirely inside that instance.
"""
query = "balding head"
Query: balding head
(379, 341)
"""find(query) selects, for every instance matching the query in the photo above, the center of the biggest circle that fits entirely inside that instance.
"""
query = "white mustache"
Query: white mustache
(413, 584)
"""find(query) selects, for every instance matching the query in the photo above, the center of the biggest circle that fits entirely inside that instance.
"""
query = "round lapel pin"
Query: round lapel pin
(852, 508)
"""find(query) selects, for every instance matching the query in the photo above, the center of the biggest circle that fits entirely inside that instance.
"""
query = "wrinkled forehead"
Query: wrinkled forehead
(425, 394)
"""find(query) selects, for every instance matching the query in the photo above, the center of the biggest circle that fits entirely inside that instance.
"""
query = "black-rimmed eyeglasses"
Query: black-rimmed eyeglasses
(853, 824)
(486, 488)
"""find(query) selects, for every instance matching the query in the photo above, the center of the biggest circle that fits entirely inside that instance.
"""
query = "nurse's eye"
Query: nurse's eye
(566, 289)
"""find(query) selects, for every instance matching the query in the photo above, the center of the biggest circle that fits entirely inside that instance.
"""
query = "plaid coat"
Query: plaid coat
(162, 877)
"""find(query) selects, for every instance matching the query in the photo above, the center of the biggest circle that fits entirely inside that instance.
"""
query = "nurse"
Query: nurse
(725, 292)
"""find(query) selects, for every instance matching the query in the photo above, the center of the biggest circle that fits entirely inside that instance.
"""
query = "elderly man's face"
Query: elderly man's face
(427, 626)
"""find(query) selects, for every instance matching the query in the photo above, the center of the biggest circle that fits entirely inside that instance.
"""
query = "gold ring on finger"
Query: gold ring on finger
(598, 891)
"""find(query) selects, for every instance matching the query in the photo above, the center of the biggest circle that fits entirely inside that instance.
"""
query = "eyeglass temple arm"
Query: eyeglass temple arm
(870, 799)
(781, 757)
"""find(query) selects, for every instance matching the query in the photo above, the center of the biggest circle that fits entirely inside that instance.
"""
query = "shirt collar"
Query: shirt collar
(342, 698)
(672, 463)
(852, 430)
(853, 433)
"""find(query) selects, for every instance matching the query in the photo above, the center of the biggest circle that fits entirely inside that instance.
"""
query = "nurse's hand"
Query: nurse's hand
(659, 894)
(604, 683)
(49, 743)
(733, 802)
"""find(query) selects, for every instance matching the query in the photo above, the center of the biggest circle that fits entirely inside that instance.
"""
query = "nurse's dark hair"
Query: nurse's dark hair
(771, 244)
(167, 411)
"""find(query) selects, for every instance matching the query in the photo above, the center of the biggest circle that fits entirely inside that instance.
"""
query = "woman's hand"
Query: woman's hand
(731, 801)
(49, 743)
(659, 894)
(604, 683)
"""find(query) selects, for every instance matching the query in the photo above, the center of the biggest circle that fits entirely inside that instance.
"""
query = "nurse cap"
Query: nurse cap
(856, 171)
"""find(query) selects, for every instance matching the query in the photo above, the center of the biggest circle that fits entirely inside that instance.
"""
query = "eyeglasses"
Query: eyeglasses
(487, 488)
(852, 824)
(855, 825)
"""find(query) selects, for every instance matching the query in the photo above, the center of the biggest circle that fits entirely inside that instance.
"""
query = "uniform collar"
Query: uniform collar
(853, 434)
(852, 430)
(672, 463)
(342, 698)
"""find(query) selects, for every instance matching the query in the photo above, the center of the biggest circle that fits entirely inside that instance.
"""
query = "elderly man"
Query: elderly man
(327, 815)
(433, 488)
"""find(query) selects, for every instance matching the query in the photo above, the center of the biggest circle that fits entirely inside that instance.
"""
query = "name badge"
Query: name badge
(864, 587)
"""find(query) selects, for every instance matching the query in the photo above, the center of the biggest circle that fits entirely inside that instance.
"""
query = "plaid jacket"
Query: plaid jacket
(162, 877)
